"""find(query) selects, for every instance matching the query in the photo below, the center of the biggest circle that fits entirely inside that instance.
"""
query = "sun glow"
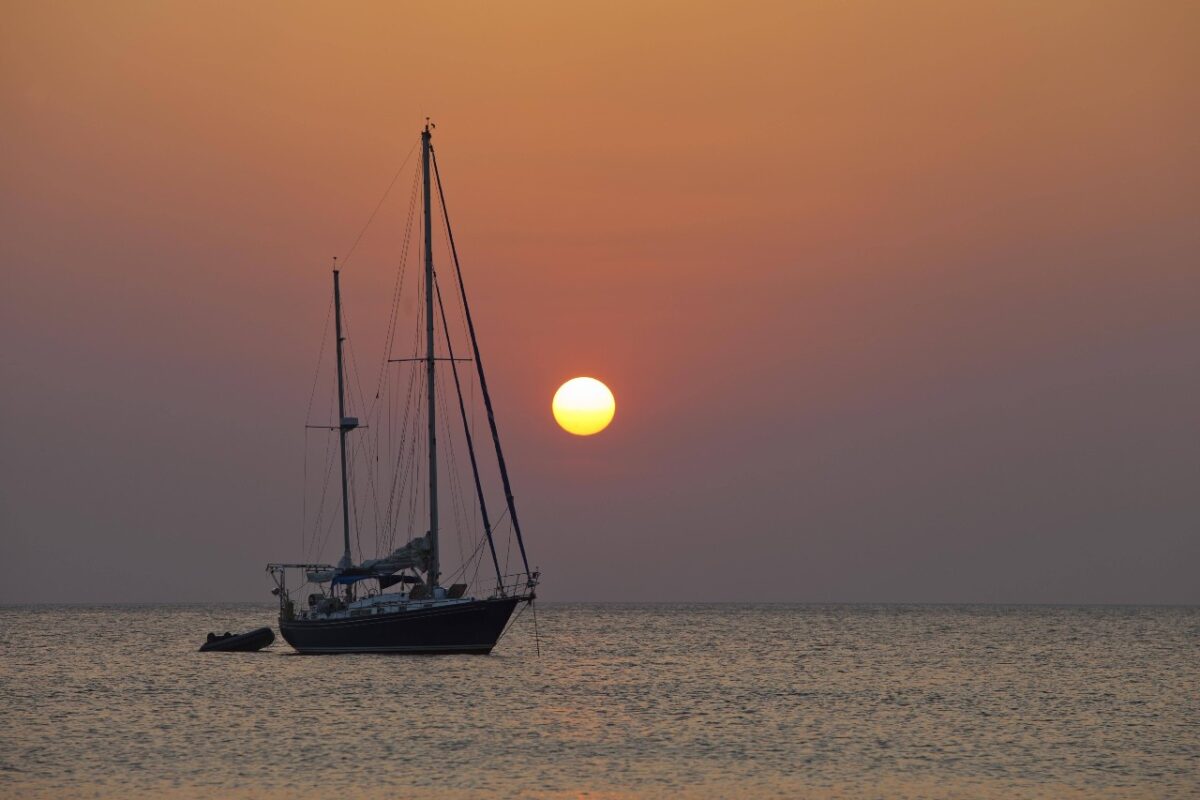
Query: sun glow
(583, 406)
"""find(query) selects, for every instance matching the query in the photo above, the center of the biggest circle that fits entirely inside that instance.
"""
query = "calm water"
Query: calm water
(624, 702)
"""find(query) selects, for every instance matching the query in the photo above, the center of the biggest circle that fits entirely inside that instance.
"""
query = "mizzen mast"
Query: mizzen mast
(345, 424)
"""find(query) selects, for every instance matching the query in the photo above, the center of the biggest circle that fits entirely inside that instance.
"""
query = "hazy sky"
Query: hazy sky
(899, 301)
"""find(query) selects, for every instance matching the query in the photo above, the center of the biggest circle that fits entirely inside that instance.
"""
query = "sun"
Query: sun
(583, 406)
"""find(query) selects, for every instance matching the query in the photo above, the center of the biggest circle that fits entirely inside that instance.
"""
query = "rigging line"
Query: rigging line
(378, 206)
(320, 356)
(398, 284)
(452, 461)
(463, 313)
(471, 433)
(353, 368)
(422, 432)
(377, 469)
(328, 530)
(487, 400)
(414, 403)
(333, 461)
(385, 528)
(391, 425)
(391, 416)
(449, 246)
(329, 460)
(413, 495)
(500, 519)
(508, 548)
(460, 511)
(406, 445)
(460, 495)
(354, 512)
(401, 407)
(462, 568)
(307, 416)
(512, 622)
(452, 471)
(416, 431)
(362, 443)
(536, 639)
(384, 379)
(402, 467)
(304, 497)
(478, 563)
(360, 446)
(467, 431)
(308, 541)
(381, 526)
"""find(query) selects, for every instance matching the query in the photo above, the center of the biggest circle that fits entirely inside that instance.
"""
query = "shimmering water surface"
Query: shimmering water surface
(624, 702)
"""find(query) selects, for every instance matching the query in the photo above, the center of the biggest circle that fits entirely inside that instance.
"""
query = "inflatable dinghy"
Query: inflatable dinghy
(256, 639)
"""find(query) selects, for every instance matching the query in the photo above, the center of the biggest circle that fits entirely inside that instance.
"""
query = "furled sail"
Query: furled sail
(414, 555)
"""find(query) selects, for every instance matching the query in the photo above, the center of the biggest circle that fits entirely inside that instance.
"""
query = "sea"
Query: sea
(613, 701)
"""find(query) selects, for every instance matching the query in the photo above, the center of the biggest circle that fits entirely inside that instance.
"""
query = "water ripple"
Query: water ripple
(626, 702)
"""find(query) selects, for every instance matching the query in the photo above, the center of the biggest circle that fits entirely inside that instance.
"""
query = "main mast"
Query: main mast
(345, 424)
(429, 365)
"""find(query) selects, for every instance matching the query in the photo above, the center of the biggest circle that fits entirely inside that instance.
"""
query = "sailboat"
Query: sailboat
(397, 603)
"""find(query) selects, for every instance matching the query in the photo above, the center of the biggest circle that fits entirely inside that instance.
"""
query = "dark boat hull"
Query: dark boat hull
(249, 642)
(472, 627)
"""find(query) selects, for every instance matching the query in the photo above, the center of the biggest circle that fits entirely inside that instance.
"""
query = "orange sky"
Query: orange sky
(898, 300)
